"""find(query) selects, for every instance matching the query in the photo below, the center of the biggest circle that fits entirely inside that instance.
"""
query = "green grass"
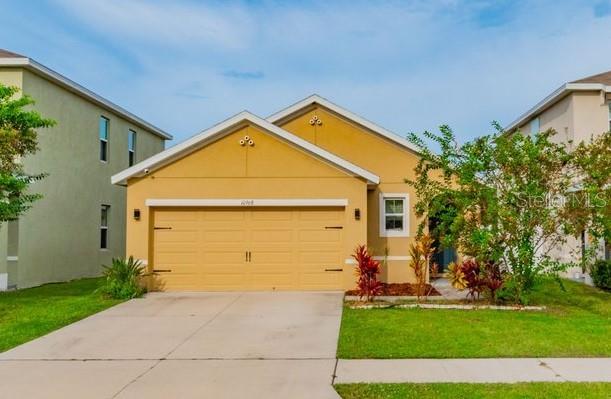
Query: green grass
(532, 390)
(577, 322)
(33, 312)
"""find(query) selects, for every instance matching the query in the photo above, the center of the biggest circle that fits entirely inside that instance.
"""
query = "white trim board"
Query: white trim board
(244, 203)
(3, 281)
(316, 99)
(12, 258)
(74, 87)
(207, 136)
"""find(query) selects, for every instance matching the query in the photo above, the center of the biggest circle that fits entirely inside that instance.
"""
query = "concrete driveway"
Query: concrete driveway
(192, 345)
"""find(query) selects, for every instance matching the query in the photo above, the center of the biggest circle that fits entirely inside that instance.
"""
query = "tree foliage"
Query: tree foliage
(18, 138)
(589, 204)
(503, 192)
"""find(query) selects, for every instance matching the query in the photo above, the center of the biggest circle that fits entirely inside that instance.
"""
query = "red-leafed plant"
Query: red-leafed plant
(478, 278)
(367, 271)
(472, 275)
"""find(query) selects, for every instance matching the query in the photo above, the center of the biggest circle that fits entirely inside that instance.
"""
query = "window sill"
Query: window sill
(402, 234)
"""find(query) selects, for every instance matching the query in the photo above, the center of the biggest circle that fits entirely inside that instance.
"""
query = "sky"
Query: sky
(409, 66)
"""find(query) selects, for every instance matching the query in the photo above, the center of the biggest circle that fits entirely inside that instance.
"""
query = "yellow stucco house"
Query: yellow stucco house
(273, 204)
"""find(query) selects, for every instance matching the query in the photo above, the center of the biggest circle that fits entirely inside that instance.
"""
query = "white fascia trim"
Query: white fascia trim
(56, 77)
(207, 202)
(203, 138)
(12, 258)
(382, 221)
(346, 114)
(553, 98)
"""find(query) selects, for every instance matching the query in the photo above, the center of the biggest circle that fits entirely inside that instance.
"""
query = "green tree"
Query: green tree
(588, 206)
(505, 194)
(18, 138)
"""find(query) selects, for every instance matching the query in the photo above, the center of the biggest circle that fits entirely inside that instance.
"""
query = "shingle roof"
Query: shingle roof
(9, 54)
(603, 78)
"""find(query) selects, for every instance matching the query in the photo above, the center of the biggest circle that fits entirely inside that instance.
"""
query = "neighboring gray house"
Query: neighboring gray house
(79, 224)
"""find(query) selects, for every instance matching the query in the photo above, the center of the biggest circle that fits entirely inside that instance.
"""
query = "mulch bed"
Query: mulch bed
(400, 289)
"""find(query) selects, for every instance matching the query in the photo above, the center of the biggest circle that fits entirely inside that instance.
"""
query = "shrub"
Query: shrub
(477, 278)
(421, 253)
(367, 272)
(456, 277)
(122, 279)
(601, 274)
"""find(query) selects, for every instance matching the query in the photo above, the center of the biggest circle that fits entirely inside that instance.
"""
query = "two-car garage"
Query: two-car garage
(248, 249)
(246, 206)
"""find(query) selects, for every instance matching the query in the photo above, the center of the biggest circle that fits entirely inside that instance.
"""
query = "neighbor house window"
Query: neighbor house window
(394, 220)
(609, 116)
(103, 132)
(131, 147)
(535, 126)
(104, 226)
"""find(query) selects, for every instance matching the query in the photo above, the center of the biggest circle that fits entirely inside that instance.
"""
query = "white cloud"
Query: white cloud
(408, 66)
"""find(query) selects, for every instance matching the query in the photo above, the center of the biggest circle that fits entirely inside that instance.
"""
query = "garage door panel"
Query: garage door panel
(210, 259)
(289, 249)
(318, 257)
(223, 216)
(222, 281)
(271, 280)
(320, 215)
(176, 236)
(271, 236)
(319, 235)
(322, 280)
(271, 215)
(262, 257)
(223, 236)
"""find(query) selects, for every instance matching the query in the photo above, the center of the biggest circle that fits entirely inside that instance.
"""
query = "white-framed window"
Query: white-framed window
(131, 147)
(394, 215)
(609, 115)
(535, 126)
(105, 212)
(103, 134)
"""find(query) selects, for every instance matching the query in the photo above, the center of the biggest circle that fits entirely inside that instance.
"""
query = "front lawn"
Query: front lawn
(576, 323)
(533, 390)
(33, 312)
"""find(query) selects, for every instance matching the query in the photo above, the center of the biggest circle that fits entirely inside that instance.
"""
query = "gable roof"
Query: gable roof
(603, 78)
(599, 82)
(207, 136)
(316, 99)
(10, 59)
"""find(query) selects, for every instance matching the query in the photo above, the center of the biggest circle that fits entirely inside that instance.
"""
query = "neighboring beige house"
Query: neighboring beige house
(79, 224)
(577, 111)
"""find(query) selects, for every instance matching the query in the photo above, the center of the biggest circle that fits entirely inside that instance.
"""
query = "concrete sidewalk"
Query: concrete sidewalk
(473, 370)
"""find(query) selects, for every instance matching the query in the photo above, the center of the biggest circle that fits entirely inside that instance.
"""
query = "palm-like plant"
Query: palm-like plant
(122, 279)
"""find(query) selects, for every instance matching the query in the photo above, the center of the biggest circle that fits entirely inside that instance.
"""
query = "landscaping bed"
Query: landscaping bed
(575, 323)
(30, 313)
(399, 289)
(534, 390)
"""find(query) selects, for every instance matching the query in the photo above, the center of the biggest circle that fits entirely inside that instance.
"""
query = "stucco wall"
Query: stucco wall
(391, 162)
(59, 238)
(271, 169)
